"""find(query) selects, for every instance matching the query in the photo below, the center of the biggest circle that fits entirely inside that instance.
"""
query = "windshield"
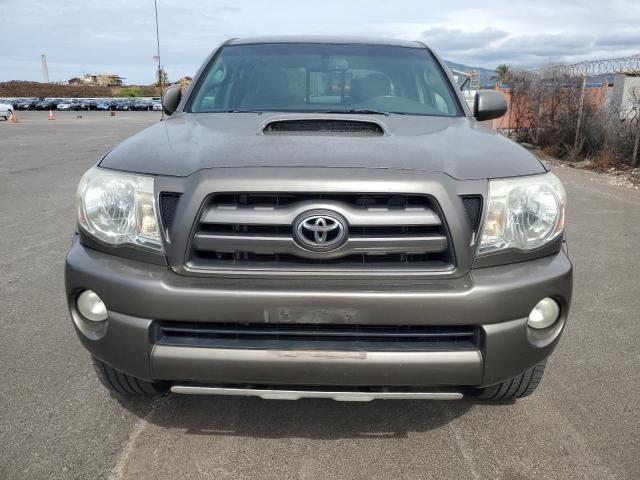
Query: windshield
(324, 78)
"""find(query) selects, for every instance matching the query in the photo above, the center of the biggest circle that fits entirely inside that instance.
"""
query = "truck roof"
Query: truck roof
(394, 42)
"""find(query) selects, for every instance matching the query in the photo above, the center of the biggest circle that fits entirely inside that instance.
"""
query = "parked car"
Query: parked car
(6, 110)
(69, 105)
(44, 105)
(89, 104)
(359, 235)
(157, 106)
(106, 105)
(11, 101)
(50, 104)
(142, 105)
(124, 105)
(28, 104)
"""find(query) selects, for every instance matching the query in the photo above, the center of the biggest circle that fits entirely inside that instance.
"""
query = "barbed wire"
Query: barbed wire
(592, 68)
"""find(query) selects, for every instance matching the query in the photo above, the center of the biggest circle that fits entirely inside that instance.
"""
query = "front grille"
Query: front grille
(256, 231)
(323, 127)
(317, 336)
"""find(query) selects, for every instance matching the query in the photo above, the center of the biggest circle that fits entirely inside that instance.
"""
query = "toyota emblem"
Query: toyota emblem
(320, 231)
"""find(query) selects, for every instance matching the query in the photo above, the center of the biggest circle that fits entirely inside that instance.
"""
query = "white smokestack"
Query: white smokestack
(45, 70)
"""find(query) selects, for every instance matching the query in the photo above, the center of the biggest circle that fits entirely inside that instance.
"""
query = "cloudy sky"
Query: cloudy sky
(118, 36)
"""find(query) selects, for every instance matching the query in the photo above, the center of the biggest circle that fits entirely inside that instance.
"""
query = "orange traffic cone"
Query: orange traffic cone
(51, 115)
(14, 118)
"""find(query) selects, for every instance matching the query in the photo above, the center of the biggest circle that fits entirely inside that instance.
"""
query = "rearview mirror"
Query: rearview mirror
(489, 104)
(328, 65)
(171, 99)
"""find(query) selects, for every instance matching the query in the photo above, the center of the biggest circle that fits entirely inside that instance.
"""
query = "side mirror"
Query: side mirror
(171, 99)
(489, 104)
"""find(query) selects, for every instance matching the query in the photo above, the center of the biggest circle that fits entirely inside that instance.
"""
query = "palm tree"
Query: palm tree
(503, 72)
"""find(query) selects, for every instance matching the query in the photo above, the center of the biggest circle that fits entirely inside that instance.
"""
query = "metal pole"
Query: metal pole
(510, 110)
(155, 4)
(634, 157)
(580, 111)
(538, 115)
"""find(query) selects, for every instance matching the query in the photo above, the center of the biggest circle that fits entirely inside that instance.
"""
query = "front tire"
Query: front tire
(124, 384)
(519, 386)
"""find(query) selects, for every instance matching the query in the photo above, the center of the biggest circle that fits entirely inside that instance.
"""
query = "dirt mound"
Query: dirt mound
(16, 88)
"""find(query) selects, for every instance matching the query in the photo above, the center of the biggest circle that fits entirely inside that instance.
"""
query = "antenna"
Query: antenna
(160, 73)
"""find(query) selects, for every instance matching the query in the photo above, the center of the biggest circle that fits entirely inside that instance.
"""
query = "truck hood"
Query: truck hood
(186, 143)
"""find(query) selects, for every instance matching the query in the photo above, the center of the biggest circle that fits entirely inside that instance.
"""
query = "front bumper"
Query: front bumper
(496, 299)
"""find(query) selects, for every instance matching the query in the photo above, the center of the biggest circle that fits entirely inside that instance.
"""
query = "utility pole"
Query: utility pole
(634, 157)
(45, 69)
(538, 115)
(576, 141)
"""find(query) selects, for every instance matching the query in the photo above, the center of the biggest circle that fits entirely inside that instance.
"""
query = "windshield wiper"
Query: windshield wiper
(363, 111)
(358, 111)
(234, 110)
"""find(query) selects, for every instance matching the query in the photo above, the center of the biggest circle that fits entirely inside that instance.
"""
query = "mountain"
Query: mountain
(487, 79)
(486, 75)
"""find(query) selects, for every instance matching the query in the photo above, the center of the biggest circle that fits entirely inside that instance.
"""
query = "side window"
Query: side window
(440, 104)
(433, 83)
(208, 96)
(208, 102)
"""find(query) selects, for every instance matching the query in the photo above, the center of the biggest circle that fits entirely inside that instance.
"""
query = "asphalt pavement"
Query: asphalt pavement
(57, 422)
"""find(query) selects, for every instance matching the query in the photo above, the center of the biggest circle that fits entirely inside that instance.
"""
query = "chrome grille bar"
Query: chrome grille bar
(275, 215)
(281, 244)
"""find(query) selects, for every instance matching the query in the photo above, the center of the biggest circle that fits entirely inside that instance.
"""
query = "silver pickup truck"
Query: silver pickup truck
(321, 217)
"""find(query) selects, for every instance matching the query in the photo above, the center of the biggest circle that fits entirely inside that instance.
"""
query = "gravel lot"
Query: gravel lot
(57, 422)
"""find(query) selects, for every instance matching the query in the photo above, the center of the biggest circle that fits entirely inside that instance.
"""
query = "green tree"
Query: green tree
(131, 92)
(503, 72)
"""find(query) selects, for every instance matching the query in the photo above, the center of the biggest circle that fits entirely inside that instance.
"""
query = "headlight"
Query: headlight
(523, 213)
(118, 208)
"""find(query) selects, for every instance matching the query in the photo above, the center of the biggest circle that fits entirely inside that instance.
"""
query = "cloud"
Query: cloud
(447, 40)
(497, 46)
(119, 35)
(548, 44)
(528, 49)
(624, 38)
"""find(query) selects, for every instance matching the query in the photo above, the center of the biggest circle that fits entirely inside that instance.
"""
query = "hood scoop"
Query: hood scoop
(323, 127)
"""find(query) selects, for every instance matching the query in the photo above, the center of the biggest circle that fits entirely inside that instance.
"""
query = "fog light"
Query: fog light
(544, 314)
(91, 307)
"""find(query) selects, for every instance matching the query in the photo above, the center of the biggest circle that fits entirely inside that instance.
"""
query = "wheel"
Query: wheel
(520, 386)
(9, 116)
(124, 384)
